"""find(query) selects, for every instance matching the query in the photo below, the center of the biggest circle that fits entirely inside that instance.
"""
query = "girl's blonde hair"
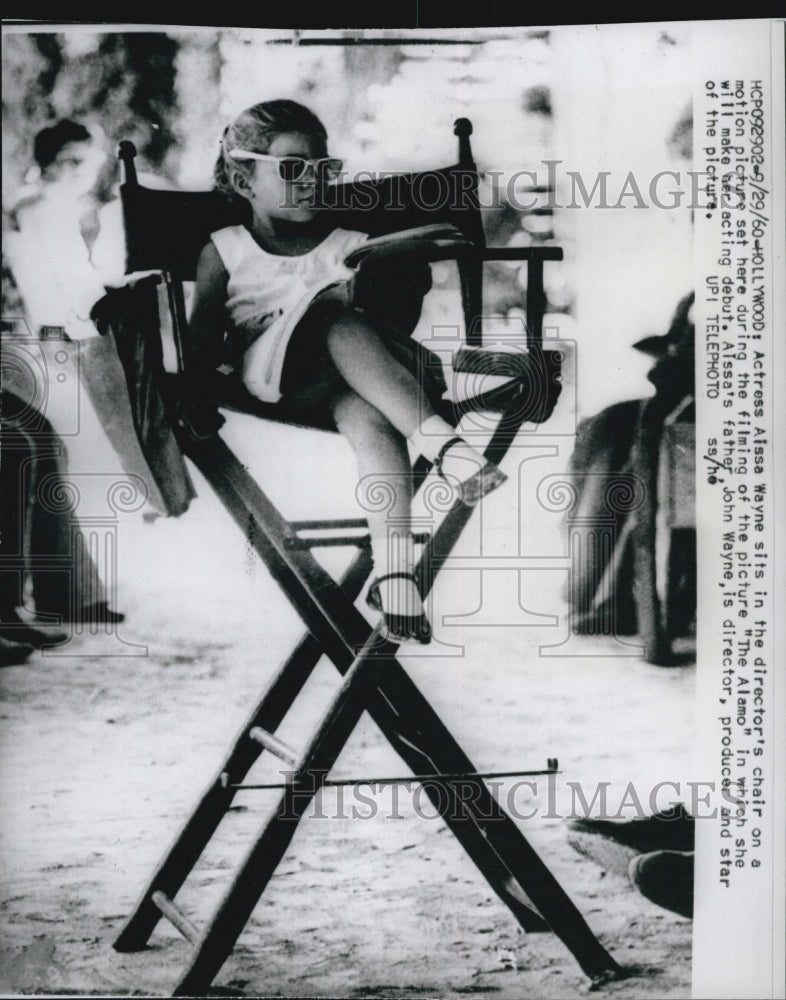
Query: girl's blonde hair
(254, 129)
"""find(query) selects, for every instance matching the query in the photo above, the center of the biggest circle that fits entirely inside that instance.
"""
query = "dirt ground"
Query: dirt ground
(104, 755)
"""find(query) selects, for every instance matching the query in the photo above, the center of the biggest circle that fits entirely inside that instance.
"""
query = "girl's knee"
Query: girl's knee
(358, 419)
(347, 328)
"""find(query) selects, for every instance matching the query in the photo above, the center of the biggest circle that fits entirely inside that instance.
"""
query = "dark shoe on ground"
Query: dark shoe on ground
(90, 614)
(613, 844)
(98, 614)
(665, 878)
(670, 830)
(13, 653)
(608, 854)
(16, 630)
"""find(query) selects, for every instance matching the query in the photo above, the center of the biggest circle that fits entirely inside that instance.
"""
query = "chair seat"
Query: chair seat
(199, 399)
(204, 393)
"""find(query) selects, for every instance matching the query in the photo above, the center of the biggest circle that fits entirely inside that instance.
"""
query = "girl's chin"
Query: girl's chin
(300, 213)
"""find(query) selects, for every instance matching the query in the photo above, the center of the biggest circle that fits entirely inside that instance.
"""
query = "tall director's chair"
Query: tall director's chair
(165, 231)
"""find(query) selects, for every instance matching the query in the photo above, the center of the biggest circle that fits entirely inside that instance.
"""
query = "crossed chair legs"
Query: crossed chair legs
(374, 681)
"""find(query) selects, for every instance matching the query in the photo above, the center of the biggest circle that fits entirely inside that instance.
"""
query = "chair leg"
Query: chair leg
(193, 838)
(260, 863)
(498, 848)
(496, 845)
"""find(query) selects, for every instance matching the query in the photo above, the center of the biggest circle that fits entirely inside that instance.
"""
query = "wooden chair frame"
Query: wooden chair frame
(373, 679)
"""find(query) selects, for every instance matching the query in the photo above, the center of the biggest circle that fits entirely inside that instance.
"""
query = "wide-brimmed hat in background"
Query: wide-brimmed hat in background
(680, 331)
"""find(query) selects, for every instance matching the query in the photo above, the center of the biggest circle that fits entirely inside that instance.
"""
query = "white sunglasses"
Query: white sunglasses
(294, 168)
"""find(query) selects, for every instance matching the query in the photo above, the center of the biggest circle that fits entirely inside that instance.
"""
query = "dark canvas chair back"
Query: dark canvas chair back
(403, 201)
(165, 230)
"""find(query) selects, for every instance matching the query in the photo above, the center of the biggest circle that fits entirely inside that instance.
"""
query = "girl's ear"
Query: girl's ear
(239, 182)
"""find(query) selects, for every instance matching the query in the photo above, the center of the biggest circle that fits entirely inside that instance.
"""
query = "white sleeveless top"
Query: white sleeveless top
(270, 293)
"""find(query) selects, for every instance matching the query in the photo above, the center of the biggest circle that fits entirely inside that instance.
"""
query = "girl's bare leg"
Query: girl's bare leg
(370, 370)
(385, 493)
(368, 367)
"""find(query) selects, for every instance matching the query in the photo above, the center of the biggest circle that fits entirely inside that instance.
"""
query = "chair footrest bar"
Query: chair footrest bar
(297, 542)
(437, 776)
(326, 541)
(274, 745)
(176, 917)
(326, 525)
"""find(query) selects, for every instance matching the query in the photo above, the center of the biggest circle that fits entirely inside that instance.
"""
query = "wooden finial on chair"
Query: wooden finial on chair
(462, 128)
(126, 152)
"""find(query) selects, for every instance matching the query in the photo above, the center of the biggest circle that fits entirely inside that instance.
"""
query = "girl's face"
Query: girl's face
(273, 197)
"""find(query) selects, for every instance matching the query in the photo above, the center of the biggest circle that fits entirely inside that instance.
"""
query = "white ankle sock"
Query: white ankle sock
(461, 460)
(394, 552)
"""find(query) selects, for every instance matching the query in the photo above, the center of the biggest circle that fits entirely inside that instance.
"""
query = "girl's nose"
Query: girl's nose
(308, 177)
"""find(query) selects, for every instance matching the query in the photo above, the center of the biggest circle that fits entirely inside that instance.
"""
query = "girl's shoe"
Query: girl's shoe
(472, 490)
(398, 628)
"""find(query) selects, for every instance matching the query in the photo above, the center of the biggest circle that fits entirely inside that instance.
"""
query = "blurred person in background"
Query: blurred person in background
(63, 246)
(620, 440)
(64, 241)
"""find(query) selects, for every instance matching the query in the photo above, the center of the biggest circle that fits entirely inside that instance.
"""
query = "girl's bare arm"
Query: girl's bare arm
(209, 320)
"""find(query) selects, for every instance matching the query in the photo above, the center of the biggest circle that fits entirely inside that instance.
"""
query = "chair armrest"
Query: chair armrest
(427, 251)
(522, 253)
(415, 251)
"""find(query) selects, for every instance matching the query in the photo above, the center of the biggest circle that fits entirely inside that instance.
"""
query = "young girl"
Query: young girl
(279, 283)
